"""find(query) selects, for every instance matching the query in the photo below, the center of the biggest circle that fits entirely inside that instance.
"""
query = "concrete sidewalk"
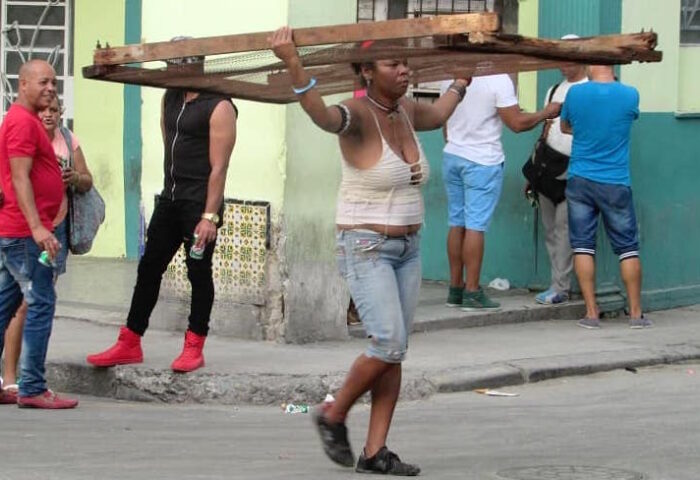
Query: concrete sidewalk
(251, 372)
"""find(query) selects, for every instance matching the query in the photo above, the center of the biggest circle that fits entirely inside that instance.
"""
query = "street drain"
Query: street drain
(568, 472)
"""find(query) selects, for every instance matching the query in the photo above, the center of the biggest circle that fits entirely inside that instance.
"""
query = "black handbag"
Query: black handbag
(544, 165)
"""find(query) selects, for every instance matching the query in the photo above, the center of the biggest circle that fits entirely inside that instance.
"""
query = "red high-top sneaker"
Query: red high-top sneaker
(191, 357)
(126, 350)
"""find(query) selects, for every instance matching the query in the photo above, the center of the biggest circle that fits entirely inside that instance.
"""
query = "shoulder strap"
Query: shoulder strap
(69, 144)
(545, 127)
(551, 93)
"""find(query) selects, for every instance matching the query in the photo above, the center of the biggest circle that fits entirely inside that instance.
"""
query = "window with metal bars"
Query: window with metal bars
(373, 10)
(36, 29)
(690, 22)
(377, 10)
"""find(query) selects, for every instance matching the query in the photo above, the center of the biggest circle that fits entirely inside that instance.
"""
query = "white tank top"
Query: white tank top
(387, 193)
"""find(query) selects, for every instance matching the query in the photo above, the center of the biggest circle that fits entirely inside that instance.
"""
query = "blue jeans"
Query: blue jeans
(472, 191)
(587, 200)
(384, 276)
(22, 275)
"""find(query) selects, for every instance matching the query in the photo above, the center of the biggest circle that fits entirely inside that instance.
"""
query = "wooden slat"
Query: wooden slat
(431, 58)
(607, 49)
(339, 78)
(161, 78)
(248, 42)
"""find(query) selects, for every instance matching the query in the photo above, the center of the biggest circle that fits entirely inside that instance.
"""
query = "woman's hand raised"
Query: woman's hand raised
(282, 44)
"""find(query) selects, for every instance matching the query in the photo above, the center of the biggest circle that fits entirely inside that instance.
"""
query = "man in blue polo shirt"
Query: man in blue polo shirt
(599, 114)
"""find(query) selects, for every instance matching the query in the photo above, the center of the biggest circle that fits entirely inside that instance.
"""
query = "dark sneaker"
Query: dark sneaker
(590, 323)
(47, 400)
(641, 322)
(385, 462)
(454, 297)
(477, 300)
(334, 437)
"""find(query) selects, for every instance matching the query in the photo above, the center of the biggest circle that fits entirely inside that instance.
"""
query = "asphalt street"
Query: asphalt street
(614, 426)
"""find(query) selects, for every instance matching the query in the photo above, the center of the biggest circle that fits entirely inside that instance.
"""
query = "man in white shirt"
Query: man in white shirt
(553, 211)
(473, 173)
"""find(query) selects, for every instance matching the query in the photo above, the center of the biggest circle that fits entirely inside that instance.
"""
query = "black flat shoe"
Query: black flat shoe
(334, 437)
(385, 462)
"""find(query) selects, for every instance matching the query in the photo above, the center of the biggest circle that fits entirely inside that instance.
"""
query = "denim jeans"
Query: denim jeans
(588, 200)
(384, 276)
(172, 224)
(21, 274)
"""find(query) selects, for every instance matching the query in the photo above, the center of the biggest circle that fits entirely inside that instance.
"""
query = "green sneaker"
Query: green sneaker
(477, 300)
(454, 297)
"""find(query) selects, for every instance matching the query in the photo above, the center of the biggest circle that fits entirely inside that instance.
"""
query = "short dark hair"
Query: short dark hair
(357, 68)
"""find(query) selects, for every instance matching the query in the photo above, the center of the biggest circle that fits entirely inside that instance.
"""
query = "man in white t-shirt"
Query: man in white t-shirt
(555, 214)
(473, 173)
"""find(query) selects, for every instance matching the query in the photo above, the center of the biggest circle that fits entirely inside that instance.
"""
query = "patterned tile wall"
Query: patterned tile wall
(239, 257)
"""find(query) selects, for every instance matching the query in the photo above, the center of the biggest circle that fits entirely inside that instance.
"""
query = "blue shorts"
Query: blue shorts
(384, 277)
(473, 191)
(586, 200)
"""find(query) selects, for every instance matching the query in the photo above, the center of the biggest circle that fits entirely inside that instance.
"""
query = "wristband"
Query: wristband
(461, 92)
(302, 90)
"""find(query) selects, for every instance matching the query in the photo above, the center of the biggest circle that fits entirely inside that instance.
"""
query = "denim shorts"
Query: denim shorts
(473, 191)
(384, 276)
(586, 200)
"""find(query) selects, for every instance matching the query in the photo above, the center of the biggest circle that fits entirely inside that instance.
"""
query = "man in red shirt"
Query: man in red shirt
(30, 177)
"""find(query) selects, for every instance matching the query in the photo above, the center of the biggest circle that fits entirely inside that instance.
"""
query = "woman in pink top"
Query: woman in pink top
(79, 179)
(379, 213)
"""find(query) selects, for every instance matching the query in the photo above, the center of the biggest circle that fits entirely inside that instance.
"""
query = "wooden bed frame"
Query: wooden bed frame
(437, 48)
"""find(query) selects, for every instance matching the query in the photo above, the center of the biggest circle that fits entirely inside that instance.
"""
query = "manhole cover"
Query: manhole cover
(568, 472)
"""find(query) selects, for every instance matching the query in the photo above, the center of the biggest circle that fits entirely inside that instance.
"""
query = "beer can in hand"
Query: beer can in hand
(196, 253)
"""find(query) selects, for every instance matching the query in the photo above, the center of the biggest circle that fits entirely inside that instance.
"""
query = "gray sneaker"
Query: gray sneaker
(477, 300)
(641, 322)
(590, 323)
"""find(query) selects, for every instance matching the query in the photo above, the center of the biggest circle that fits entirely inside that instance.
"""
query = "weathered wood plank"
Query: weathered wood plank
(605, 49)
(431, 58)
(248, 42)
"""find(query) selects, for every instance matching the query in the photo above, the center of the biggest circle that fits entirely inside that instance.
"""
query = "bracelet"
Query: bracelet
(461, 92)
(345, 118)
(312, 84)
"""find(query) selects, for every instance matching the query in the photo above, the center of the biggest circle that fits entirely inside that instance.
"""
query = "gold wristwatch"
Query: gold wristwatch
(212, 217)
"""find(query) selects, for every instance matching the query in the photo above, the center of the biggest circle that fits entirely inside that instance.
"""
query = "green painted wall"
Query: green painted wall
(581, 17)
(673, 84)
(528, 21)
(666, 203)
(99, 117)
(257, 165)
(509, 247)
(663, 164)
(657, 82)
(689, 79)
(665, 169)
(315, 297)
(132, 140)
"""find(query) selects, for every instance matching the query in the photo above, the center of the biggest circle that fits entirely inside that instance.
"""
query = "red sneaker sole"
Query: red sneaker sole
(114, 364)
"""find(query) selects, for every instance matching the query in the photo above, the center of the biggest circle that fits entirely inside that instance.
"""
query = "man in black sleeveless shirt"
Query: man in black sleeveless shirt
(199, 132)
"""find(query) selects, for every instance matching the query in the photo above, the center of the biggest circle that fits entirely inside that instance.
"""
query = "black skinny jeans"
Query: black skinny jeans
(172, 223)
